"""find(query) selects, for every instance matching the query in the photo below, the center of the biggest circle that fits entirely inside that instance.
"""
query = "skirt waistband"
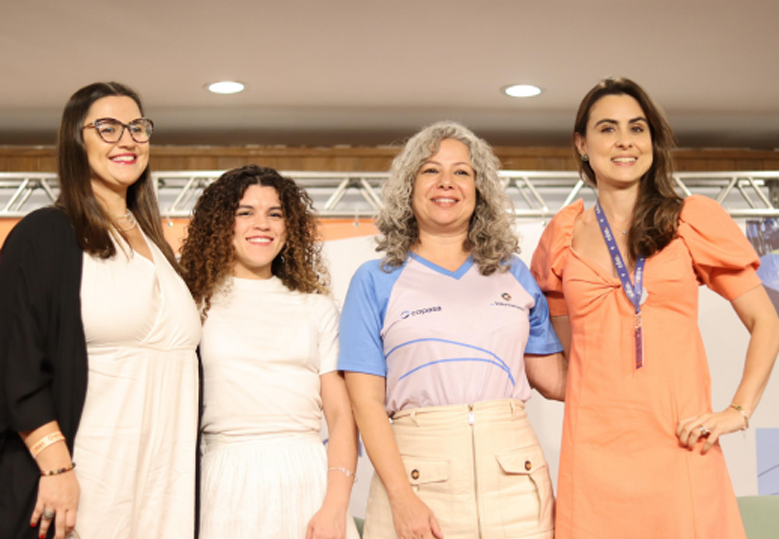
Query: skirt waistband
(485, 411)
(211, 442)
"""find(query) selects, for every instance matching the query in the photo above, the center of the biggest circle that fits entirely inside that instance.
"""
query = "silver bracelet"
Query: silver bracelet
(344, 470)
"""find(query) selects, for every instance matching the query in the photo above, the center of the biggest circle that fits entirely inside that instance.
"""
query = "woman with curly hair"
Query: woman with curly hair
(446, 335)
(640, 453)
(269, 350)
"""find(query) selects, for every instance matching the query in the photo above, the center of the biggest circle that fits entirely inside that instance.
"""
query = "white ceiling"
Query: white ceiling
(367, 72)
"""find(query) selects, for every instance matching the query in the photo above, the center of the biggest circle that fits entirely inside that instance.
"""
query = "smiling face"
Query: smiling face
(260, 232)
(618, 141)
(445, 191)
(114, 166)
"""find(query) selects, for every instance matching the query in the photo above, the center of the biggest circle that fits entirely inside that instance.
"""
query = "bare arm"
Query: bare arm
(330, 520)
(758, 314)
(412, 518)
(547, 374)
(57, 493)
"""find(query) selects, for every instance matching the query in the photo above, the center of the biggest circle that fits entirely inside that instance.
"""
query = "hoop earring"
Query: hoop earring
(585, 157)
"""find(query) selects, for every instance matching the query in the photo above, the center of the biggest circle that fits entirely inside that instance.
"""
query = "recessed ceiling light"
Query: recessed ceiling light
(225, 87)
(522, 90)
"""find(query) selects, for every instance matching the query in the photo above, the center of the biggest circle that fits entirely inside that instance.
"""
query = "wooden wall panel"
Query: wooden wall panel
(378, 159)
(24, 159)
(694, 165)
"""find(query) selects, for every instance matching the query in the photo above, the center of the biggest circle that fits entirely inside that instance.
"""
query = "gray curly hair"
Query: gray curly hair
(491, 240)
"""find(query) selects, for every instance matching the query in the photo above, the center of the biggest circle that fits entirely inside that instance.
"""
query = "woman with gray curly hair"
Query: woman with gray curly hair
(446, 335)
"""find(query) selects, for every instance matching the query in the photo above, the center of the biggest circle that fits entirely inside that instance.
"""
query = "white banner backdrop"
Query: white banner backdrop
(724, 336)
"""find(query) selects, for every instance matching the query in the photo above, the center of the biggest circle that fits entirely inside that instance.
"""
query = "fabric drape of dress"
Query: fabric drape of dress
(264, 467)
(623, 473)
(136, 443)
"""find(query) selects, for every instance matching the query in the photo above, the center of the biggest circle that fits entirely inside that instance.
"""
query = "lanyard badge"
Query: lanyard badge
(634, 289)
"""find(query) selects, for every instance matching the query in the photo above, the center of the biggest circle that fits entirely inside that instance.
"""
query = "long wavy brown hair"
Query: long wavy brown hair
(208, 255)
(657, 209)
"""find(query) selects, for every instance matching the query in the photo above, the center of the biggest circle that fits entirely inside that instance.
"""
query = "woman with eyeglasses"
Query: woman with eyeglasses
(97, 345)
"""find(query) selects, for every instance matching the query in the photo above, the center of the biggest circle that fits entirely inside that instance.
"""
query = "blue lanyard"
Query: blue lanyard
(632, 291)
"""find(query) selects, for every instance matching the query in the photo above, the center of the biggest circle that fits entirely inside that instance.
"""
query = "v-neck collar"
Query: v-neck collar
(456, 274)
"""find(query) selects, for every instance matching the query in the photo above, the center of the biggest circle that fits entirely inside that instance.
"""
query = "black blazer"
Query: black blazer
(43, 357)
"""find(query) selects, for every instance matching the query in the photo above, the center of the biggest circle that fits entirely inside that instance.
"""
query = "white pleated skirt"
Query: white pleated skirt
(263, 487)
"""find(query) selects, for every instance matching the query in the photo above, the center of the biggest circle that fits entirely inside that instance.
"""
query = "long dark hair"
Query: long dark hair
(208, 256)
(657, 209)
(93, 225)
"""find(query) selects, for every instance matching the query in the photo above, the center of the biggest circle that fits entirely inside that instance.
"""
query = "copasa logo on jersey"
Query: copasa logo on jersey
(419, 312)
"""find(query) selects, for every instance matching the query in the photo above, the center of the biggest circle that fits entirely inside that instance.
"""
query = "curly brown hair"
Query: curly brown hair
(208, 255)
(491, 239)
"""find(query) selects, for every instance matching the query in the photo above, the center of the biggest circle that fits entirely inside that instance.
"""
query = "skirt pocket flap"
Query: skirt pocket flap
(421, 471)
(522, 461)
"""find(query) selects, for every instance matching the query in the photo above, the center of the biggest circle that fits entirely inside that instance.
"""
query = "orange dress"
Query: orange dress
(623, 473)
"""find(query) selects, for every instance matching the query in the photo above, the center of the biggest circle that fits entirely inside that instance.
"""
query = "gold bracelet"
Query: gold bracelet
(344, 470)
(59, 471)
(746, 419)
(45, 442)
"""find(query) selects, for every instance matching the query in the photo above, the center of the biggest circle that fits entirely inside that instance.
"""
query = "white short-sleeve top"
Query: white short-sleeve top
(263, 350)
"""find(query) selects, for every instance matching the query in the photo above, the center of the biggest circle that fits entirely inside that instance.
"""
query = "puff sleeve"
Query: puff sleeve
(722, 257)
(550, 256)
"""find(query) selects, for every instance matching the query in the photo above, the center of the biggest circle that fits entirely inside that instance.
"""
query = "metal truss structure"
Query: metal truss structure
(537, 194)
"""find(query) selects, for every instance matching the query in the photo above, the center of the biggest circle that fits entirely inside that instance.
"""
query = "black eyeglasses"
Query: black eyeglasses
(112, 130)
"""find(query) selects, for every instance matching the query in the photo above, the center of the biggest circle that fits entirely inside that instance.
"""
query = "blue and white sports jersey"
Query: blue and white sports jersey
(442, 337)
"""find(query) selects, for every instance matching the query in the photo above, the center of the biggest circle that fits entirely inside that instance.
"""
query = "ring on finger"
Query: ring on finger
(48, 514)
(704, 431)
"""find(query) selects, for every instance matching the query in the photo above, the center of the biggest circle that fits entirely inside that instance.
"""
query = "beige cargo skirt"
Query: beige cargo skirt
(478, 467)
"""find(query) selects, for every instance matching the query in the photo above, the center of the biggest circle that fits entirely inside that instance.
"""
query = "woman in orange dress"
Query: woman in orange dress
(640, 455)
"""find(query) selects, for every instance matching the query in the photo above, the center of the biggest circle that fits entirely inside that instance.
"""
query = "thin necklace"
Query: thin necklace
(623, 231)
(129, 218)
